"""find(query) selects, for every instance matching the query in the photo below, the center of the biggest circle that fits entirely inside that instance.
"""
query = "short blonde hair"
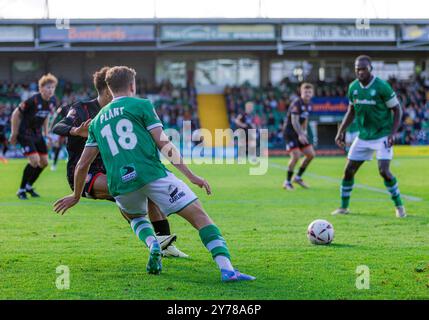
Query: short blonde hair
(119, 78)
(46, 79)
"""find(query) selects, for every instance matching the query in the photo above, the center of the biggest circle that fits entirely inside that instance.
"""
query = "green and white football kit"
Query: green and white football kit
(372, 105)
(121, 131)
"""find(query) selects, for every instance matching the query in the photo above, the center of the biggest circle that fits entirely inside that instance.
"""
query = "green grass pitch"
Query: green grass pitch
(265, 228)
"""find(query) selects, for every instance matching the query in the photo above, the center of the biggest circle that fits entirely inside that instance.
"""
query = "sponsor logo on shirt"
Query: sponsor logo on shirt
(174, 193)
(128, 173)
(365, 101)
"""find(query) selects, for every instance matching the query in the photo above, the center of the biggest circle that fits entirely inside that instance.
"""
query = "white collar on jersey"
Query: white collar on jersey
(369, 84)
(117, 98)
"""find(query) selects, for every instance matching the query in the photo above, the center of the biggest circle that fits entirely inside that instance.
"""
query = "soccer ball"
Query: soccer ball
(320, 232)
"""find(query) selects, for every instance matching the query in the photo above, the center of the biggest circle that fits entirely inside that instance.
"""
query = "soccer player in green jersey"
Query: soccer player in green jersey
(74, 125)
(374, 105)
(128, 134)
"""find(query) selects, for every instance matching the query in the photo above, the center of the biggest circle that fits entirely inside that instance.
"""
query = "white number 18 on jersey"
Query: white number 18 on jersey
(127, 138)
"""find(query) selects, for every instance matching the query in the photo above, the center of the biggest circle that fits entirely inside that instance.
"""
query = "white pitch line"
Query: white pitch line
(357, 185)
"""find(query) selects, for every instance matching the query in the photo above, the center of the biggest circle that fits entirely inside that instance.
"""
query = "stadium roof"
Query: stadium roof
(215, 21)
(213, 9)
(208, 34)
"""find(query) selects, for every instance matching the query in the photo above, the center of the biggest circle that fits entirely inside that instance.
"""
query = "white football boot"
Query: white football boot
(287, 185)
(165, 241)
(172, 251)
(400, 212)
(300, 182)
(339, 211)
(167, 247)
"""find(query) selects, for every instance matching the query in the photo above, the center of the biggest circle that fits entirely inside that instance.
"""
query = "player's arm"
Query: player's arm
(397, 117)
(347, 120)
(173, 155)
(391, 100)
(304, 126)
(46, 127)
(15, 122)
(66, 127)
(153, 124)
(81, 171)
(302, 136)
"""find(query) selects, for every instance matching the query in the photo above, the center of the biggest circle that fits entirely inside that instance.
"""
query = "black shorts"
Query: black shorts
(293, 143)
(89, 183)
(32, 144)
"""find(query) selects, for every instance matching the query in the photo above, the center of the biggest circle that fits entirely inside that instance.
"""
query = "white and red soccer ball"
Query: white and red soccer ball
(320, 232)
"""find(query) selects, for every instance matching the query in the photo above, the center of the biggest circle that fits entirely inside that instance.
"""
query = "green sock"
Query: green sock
(144, 230)
(214, 242)
(392, 187)
(346, 190)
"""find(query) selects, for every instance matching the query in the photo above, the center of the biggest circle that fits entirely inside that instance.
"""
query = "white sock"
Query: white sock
(224, 263)
(28, 186)
(298, 177)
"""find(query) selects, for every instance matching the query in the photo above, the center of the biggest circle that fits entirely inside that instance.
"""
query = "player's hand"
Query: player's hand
(82, 130)
(303, 139)
(13, 139)
(62, 205)
(201, 182)
(340, 139)
(390, 141)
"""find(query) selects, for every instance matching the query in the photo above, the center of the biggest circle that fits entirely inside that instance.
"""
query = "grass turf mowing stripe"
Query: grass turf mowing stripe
(356, 185)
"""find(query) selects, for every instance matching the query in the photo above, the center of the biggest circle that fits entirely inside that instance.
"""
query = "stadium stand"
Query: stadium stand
(176, 104)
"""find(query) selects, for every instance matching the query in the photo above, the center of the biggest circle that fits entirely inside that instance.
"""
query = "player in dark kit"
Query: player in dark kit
(245, 121)
(297, 141)
(30, 128)
(3, 140)
(75, 126)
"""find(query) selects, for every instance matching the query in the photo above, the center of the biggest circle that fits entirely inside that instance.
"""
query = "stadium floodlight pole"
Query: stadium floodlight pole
(47, 9)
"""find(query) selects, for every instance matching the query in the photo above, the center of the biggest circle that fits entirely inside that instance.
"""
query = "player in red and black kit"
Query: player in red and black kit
(30, 128)
(295, 131)
(75, 127)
